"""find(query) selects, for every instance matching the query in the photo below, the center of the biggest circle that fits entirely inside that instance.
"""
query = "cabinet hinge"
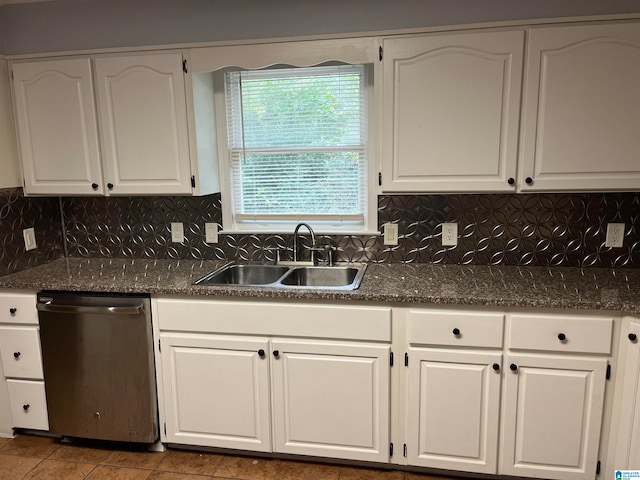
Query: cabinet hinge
(608, 375)
(598, 468)
(380, 178)
(391, 359)
(193, 181)
(184, 66)
(159, 346)
(406, 359)
(404, 450)
(391, 449)
(380, 52)
(165, 428)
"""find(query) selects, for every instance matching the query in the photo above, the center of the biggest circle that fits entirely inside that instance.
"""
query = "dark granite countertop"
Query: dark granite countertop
(558, 287)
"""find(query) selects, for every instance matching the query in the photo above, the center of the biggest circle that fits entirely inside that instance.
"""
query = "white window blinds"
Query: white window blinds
(297, 143)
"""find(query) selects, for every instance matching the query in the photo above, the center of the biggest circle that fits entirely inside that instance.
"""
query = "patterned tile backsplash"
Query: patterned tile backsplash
(501, 229)
(18, 213)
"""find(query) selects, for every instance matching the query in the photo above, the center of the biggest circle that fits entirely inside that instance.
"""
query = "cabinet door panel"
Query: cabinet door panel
(454, 403)
(450, 111)
(142, 108)
(552, 416)
(581, 104)
(217, 392)
(331, 400)
(57, 128)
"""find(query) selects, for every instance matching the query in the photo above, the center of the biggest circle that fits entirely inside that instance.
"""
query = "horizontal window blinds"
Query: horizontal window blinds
(297, 143)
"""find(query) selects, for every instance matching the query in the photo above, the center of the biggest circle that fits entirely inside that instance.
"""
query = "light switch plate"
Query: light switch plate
(211, 232)
(177, 232)
(615, 235)
(449, 234)
(29, 235)
(390, 233)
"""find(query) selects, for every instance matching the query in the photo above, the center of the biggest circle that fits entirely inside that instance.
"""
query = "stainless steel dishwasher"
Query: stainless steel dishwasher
(98, 363)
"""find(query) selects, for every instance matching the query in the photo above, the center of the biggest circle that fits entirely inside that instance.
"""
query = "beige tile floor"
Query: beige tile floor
(39, 458)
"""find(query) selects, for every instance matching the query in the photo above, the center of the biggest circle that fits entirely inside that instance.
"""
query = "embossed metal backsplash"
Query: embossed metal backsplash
(18, 213)
(503, 229)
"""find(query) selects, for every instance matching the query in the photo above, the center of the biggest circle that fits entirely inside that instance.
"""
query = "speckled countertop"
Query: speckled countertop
(561, 287)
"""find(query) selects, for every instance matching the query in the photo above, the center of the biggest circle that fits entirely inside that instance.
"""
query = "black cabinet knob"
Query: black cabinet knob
(276, 353)
(13, 310)
(496, 366)
(513, 367)
(528, 180)
(261, 353)
(110, 186)
(511, 181)
(633, 337)
(94, 186)
(562, 337)
(16, 355)
(26, 407)
(456, 332)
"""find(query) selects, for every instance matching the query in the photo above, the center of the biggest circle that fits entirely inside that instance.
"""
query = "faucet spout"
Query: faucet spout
(295, 241)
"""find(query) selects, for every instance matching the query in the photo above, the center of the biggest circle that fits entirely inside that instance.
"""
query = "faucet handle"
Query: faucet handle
(276, 259)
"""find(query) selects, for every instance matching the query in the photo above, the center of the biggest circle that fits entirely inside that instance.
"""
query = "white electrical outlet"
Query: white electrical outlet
(177, 232)
(390, 233)
(211, 232)
(449, 234)
(615, 235)
(29, 235)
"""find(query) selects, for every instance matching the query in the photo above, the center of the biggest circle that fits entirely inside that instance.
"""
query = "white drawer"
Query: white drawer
(28, 404)
(20, 352)
(561, 333)
(274, 319)
(458, 329)
(18, 308)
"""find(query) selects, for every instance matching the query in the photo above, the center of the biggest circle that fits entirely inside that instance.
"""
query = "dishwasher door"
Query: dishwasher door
(98, 364)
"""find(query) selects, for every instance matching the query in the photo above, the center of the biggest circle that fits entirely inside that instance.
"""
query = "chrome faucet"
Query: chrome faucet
(295, 242)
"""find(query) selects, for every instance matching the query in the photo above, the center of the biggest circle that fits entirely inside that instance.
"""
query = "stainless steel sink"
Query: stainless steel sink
(244, 275)
(343, 277)
(324, 277)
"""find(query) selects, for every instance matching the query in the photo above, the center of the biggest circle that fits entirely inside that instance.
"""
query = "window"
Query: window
(297, 146)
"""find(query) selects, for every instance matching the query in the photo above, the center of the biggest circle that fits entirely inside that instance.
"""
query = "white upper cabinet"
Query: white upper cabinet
(581, 104)
(143, 123)
(141, 116)
(57, 130)
(450, 112)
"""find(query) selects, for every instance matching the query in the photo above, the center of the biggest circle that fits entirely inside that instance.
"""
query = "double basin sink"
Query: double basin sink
(340, 277)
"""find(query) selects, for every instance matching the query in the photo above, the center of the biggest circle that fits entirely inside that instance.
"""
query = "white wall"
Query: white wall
(65, 25)
(10, 176)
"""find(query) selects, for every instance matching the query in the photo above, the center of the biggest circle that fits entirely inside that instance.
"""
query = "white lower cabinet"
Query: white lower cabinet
(552, 416)
(454, 408)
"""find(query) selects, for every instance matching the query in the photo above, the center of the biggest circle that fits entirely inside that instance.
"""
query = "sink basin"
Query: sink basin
(244, 275)
(325, 277)
(342, 277)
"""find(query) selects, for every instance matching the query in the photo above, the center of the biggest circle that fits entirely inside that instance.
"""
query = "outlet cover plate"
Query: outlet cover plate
(177, 232)
(615, 235)
(449, 234)
(29, 235)
(211, 232)
(390, 233)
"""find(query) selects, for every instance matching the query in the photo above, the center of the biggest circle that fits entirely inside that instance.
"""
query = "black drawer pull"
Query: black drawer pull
(94, 186)
(16, 355)
(26, 407)
(633, 337)
(496, 366)
(456, 332)
(562, 337)
(261, 353)
(511, 181)
(110, 186)
(276, 353)
(513, 367)
(13, 310)
(528, 180)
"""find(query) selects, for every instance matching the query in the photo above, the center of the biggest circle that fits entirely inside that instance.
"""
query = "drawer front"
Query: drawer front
(18, 308)
(28, 404)
(455, 329)
(20, 352)
(560, 333)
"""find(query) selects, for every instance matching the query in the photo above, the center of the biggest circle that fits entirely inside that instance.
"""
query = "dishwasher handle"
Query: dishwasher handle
(129, 310)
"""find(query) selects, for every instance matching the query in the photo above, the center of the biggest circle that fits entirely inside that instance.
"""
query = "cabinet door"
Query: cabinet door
(627, 447)
(143, 121)
(450, 112)
(216, 391)
(581, 103)
(57, 130)
(331, 399)
(453, 411)
(552, 416)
